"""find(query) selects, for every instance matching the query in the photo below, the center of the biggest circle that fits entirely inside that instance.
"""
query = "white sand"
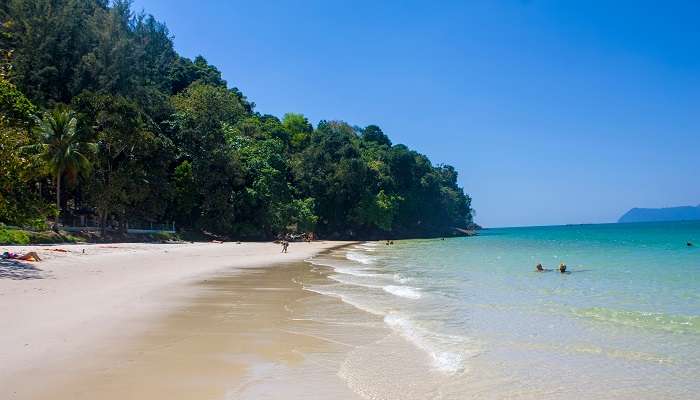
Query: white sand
(78, 303)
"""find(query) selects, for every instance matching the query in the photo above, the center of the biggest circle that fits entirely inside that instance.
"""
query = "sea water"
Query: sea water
(470, 317)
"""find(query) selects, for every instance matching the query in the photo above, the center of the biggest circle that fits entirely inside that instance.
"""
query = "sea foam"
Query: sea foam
(349, 280)
(344, 298)
(447, 352)
(359, 257)
(403, 291)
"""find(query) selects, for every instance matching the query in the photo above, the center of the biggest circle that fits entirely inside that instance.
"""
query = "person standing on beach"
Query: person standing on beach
(285, 244)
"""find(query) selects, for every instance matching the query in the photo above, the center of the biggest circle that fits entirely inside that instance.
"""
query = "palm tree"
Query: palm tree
(60, 147)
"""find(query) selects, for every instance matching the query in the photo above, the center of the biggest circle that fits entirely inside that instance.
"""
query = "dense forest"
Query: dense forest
(100, 116)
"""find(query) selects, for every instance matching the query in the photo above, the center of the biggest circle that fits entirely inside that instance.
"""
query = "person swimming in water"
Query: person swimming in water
(539, 268)
(689, 244)
(562, 268)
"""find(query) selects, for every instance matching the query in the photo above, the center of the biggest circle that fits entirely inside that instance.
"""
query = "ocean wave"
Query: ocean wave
(643, 320)
(348, 268)
(341, 266)
(447, 352)
(326, 262)
(403, 291)
(356, 272)
(368, 246)
(359, 257)
(344, 298)
(346, 281)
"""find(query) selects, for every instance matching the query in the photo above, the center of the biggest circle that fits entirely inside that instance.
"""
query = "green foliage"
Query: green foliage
(60, 148)
(157, 137)
(202, 112)
(164, 236)
(49, 39)
(131, 171)
(374, 134)
(48, 237)
(301, 214)
(298, 128)
(183, 72)
(20, 201)
(15, 108)
(377, 211)
(13, 236)
(21, 237)
(185, 193)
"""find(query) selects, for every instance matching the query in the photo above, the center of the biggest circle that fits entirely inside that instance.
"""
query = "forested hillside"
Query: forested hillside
(683, 213)
(101, 117)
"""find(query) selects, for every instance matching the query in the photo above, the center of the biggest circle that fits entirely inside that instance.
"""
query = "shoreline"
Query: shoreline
(72, 304)
(243, 336)
(421, 319)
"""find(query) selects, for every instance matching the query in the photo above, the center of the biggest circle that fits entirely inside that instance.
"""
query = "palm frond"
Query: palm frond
(60, 147)
(33, 148)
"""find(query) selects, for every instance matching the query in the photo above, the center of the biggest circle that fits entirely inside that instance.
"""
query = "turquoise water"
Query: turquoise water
(624, 323)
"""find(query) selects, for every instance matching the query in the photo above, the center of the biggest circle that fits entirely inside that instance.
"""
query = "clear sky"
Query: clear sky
(553, 112)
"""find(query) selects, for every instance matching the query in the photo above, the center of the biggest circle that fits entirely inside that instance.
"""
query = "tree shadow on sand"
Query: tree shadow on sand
(13, 269)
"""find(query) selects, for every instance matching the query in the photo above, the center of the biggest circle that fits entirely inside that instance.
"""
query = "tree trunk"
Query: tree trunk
(122, 223)
(58, 195)
(103, 225)
(58, 203)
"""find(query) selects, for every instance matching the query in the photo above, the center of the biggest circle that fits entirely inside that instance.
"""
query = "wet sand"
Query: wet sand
(147, 321)
(245, 336)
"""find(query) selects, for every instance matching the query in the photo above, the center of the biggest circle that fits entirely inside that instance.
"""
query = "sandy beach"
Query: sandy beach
(80, 325)
(365, 321)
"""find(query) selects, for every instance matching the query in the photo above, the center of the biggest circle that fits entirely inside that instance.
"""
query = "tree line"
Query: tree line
(99, 115)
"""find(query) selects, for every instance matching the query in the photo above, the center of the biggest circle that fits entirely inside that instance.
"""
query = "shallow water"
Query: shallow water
(470, 317)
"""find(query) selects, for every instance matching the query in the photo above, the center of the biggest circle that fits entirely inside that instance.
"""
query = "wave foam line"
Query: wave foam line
(359, 257)
(441, 348)
(403, 291)
(344, 299)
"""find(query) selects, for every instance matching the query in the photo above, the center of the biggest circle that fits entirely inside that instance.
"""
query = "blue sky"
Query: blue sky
(552, 112)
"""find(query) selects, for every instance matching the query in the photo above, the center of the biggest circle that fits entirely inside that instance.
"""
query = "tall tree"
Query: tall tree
(48, 39)
(298, 128)
(61, 149)
(20, 202)
(202, 114)
(112, 63)
(133, 160)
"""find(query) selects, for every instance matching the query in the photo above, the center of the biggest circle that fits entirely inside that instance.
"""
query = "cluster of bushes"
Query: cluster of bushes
(11, 236)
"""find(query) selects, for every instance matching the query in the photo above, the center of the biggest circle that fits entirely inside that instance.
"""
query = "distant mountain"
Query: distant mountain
(661, 214)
